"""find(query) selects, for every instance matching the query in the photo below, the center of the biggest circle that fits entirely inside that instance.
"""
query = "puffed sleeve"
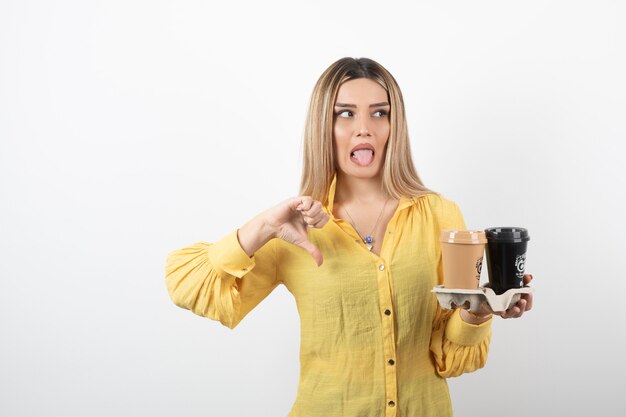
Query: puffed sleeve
(220, 281)
(458, 347)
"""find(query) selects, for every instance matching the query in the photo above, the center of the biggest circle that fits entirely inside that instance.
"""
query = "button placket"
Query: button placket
(387, 325)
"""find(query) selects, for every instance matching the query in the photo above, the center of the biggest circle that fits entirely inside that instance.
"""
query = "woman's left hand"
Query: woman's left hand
(524, 304)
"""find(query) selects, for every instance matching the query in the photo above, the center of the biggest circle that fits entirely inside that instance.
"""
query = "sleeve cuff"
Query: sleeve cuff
(227, 257)
(466, 334)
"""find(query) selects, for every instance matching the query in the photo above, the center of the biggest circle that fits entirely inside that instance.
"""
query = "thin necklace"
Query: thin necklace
(368, 240)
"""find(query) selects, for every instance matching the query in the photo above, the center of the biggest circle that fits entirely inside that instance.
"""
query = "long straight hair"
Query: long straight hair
(400, 178)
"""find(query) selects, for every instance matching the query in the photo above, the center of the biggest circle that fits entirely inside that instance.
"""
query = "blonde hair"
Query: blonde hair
(400, 178)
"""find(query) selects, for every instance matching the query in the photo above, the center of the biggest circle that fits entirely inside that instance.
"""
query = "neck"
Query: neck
(354, 190)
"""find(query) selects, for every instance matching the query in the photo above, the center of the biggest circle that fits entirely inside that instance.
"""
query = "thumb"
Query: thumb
(313, 250)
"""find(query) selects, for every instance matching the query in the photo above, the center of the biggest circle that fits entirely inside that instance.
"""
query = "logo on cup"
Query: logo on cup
(520, 264)
(479, 267)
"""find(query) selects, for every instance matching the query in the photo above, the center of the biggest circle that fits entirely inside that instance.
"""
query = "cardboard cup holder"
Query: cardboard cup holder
(450, 298)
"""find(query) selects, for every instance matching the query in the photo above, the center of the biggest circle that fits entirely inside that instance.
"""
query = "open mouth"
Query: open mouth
(362, 157)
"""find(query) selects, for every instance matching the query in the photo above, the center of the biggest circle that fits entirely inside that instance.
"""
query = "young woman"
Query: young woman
(359, 250)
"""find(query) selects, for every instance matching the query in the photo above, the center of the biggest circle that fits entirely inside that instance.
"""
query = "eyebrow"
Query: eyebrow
(381, 104)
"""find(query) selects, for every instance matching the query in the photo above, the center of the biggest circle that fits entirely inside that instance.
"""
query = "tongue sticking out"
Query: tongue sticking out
(363, 157)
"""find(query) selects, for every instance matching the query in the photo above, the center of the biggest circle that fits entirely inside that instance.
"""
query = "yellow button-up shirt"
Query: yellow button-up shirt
(374, 341)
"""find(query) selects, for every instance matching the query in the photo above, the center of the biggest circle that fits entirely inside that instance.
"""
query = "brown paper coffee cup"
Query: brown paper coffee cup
(462, 252)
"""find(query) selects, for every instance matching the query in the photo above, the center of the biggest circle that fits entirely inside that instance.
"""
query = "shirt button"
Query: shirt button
(391, 362)
(391, 404)
(388, 312)
(382, 267)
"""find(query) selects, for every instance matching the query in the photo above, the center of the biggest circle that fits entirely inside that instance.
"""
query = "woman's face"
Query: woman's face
(361, 127)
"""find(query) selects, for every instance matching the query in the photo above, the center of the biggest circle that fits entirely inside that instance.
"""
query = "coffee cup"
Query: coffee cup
(506, 257)
(462, 253)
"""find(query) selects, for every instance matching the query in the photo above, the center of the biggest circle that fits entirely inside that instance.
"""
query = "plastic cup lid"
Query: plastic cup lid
(468, 237)
(507, 234)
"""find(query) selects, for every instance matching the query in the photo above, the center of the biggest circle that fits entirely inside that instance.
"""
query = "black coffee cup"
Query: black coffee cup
(506, 257)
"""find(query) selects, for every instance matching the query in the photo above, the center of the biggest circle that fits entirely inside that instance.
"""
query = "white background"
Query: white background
(132, 128)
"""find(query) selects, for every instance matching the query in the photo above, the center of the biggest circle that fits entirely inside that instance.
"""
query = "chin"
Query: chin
(362, 173)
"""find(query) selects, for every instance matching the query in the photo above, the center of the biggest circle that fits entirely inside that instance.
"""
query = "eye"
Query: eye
(344, 113)
(380, 114)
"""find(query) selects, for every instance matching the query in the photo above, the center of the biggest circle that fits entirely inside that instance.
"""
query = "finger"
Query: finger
(316, 207)
(314, 210)
(527, 278)
(305, 203)
(511, 312)
(321, 223)
(314, 219)
(518, 309)
(529, 301)
(314, 251)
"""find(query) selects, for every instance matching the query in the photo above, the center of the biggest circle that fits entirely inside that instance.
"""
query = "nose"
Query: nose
(362, 128)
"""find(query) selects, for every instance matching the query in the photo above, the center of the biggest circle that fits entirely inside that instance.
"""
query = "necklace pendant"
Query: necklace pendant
(368, 242)
(369, 246)
(368, 239)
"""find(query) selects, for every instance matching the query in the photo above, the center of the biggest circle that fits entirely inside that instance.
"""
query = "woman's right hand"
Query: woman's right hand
(289, 221)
